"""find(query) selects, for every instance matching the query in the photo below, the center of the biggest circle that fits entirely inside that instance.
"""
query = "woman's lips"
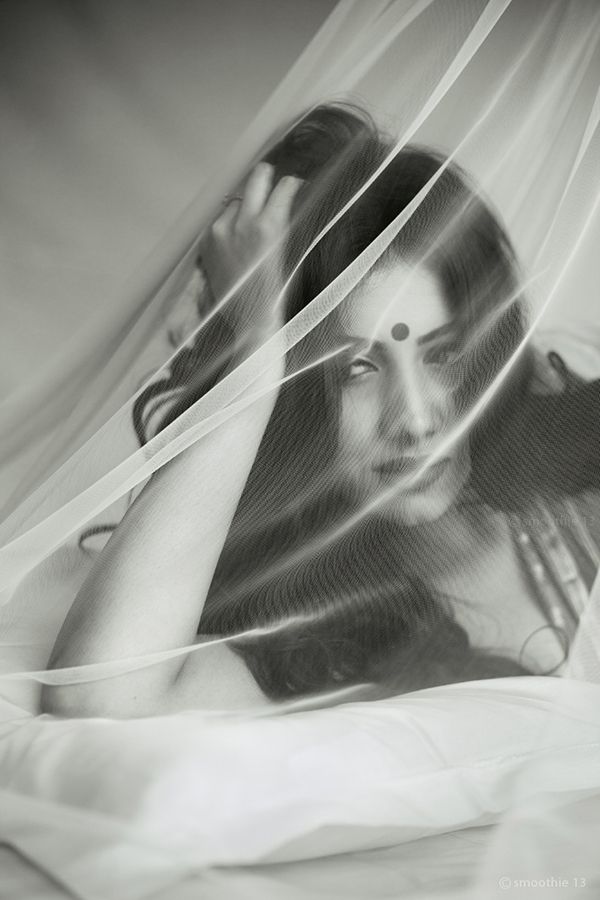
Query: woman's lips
(393, 470)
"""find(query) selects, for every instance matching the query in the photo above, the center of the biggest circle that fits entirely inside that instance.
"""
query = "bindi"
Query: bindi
(400, 331)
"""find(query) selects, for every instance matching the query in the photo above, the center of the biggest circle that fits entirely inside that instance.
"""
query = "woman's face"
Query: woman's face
(397, 396)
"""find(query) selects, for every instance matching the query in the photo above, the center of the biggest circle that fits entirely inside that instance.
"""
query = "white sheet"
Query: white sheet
(120, 808)
(405, 871)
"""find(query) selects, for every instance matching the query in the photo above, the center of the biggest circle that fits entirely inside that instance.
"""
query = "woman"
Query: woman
(358, 537)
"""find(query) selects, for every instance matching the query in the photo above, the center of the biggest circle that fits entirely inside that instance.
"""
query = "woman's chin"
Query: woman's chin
(419, 508)
(413, 506)
(426, 504)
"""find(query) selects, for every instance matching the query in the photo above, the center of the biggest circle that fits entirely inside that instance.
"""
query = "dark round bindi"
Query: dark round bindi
(400, 331)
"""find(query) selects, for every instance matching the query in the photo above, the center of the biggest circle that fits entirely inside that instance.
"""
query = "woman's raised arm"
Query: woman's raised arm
(147, 589)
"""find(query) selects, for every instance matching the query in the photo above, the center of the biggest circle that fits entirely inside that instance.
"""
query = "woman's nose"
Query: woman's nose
(412, 411)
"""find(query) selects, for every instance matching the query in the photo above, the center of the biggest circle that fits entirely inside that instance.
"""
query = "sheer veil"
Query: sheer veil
(447, 152)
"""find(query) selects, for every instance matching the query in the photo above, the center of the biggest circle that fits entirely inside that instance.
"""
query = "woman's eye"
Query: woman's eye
(444, 355)
(359, 367)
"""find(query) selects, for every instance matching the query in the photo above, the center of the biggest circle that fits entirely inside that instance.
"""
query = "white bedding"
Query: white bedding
(410, 871)
(124, 809)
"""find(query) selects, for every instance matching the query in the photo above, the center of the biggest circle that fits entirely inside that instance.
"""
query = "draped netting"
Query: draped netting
(394, 484)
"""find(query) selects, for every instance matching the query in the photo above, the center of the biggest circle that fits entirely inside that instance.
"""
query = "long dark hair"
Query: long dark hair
(348, 612)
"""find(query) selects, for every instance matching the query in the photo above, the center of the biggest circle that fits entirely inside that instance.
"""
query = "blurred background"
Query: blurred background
(113, 113)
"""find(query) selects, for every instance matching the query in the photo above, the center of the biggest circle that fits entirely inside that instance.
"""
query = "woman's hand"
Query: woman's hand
(241, 252)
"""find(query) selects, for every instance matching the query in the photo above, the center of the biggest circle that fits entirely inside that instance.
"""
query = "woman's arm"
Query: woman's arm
(147, 590)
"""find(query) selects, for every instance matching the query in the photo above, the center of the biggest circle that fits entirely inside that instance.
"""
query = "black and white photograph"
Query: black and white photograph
(299, 449)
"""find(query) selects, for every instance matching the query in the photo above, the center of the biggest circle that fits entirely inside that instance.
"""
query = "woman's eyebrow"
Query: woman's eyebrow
(360, 343)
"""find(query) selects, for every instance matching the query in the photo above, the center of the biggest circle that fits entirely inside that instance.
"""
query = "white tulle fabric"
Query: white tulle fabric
(509, 91)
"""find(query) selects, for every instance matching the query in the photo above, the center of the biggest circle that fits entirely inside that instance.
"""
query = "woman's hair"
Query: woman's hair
(335, 605)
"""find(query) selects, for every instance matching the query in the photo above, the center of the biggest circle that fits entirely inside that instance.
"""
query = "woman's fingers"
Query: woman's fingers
(279, 204)
(256, 191)
(260, 203)
(228, 216)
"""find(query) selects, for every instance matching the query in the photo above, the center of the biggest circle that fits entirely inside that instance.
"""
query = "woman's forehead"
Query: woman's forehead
(396, 303)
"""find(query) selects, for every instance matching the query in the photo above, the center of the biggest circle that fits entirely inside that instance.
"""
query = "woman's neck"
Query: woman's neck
(445, 545)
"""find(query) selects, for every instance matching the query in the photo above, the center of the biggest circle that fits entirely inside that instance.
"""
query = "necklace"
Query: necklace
(558, 586)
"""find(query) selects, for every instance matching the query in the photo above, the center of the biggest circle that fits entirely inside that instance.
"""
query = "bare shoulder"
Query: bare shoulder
(214, 677)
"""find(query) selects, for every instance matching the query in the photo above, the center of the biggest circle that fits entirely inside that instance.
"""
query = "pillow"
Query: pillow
(127, 803)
